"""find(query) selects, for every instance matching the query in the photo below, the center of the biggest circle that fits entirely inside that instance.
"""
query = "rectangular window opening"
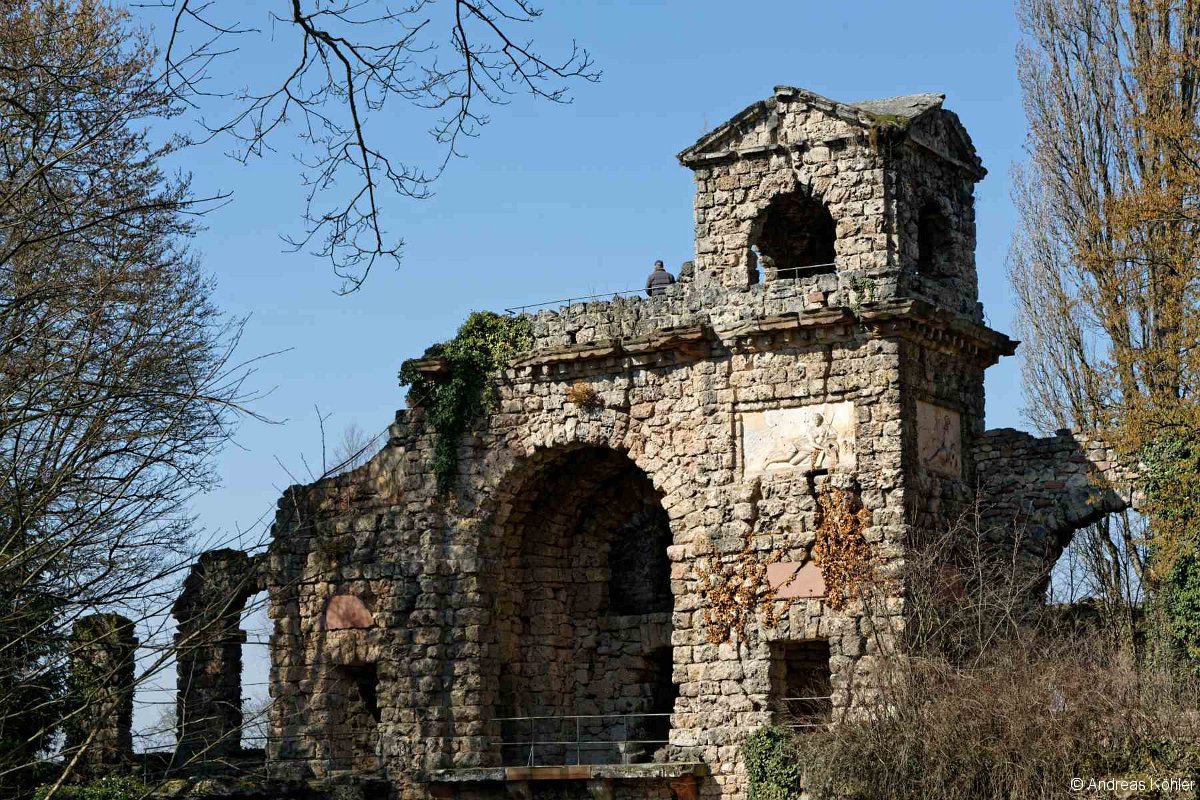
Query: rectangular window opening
(801, 684)
(366, 679)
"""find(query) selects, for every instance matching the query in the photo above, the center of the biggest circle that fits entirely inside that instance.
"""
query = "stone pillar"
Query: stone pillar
(208, 654)
(101, 689)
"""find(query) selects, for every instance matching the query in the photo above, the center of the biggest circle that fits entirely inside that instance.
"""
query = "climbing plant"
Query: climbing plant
(1181, 602)
(735, 590)
(840, 550)
(484, 344)
(773, 765)
(735, 586)
(1168, 469)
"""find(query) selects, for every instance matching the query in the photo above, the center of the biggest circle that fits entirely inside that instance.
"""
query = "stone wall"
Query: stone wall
(1036, 492)
(208, 653)
(497, 605)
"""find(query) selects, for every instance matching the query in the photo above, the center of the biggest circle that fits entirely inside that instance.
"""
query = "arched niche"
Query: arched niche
(794, 236)
(935, 257)
(578, 568)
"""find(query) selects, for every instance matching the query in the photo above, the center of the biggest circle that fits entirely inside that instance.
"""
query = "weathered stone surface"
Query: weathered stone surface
(805, 439)
(1038, 492)
(208, 653)
(103, 647)
(939, 439)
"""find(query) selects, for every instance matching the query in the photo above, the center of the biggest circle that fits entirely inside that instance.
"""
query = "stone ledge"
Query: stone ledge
(581, 772)
(347, 786)
(692, 340)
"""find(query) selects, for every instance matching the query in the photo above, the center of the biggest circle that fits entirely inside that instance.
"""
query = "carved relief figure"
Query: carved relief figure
(812, 450)
(939, 439)
(807, 439)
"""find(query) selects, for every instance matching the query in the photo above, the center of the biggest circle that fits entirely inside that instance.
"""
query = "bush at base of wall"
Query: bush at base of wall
(772, 764)
(113, 787)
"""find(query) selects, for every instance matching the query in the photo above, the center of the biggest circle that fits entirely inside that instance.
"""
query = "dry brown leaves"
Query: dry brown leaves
(736, 589)
(584, 395)
(840, 551)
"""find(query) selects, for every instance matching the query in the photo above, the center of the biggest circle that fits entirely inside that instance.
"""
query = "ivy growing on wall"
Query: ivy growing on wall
(1169, 468)
(735, 590)
(773, 764)
(840, 551)
(735, 586)
(1181, 601)
(484, 344)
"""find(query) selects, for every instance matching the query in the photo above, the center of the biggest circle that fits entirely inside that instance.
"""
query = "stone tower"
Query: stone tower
(875, 199)
(866, 206)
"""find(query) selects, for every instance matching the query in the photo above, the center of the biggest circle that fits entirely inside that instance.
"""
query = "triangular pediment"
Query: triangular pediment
(758, 128)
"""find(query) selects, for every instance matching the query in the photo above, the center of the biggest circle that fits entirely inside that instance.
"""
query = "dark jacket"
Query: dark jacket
(658, 282)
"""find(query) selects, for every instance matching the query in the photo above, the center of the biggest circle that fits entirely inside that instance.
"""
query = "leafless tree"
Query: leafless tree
(117, 382)
(1106, 259)
(991, 693)
(344, 64)
(355, 448)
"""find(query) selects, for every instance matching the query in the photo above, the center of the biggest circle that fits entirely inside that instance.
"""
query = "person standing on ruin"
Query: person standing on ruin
(659, 280)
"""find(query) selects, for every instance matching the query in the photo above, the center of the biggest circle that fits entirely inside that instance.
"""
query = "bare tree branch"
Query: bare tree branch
(352, 61)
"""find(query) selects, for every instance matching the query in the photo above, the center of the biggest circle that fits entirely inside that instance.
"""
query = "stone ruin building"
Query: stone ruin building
(542, 632)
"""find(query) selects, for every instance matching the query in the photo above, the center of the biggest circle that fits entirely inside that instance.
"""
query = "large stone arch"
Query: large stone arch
(576, 576)
(1042, 490)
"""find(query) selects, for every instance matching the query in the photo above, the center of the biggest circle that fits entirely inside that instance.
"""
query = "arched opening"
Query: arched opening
(255, 672)
(353, 688)
(1097, 568)
(209, 709)
(583, 614)
(353, 728)
(934, 258)
(794, 237)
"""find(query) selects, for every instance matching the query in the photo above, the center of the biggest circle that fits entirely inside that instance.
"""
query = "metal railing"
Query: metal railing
(582, 739)
(791, 273)
(568, 301)
(771, 274)
(808, 713)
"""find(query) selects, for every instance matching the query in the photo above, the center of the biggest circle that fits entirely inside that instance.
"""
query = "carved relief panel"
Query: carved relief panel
(806, 439)
(939, 439)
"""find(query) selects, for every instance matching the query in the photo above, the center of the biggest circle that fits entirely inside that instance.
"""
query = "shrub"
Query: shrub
(584, 395)
(772, 763)
(112, 787)
(1021, 723)
(996, 695)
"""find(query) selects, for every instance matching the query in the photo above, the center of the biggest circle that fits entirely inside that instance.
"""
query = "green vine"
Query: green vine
(1168, 470)
(773, 765)
(484, 344)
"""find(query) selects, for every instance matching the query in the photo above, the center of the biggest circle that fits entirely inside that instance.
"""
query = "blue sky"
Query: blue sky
(559, 200)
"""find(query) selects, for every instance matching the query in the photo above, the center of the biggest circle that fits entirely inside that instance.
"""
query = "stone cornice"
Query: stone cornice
(912, 319)
(767, 333)
(925, 323)
(665, 346)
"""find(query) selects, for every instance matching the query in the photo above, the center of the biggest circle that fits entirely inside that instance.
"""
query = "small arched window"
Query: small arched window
(934, 259)
(794, 237)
